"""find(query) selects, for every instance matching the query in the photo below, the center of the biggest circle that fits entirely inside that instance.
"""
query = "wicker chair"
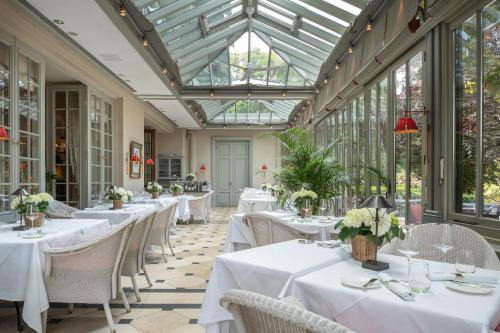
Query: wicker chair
(160, 229)
(133, 261)
(427, 235)
(258, 313)
(88, 272)
(268, 229)
(200, 207)
(59, 210)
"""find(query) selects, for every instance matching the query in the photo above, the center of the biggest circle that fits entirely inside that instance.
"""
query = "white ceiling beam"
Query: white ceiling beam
(170, 36)
(203, 22)
(332, 10)
(296, 25)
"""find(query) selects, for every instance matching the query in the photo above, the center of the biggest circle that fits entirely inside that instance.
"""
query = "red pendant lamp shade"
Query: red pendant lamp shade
(203, 167)
(149, 161)
(4, 136)
(264, 167)
(406, 125)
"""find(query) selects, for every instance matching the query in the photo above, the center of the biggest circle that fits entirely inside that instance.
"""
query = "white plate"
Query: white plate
(359, 282)
(469, 288)
(33, 235)
(305, 241)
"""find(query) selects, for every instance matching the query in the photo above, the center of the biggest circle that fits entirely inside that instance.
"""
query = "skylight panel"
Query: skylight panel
(325, 15)
(316, 37)
(276, 15)
(279, 8)
(345, 6)
(319, 26)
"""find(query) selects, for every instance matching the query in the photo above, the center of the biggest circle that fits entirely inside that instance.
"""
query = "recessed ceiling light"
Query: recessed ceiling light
(121, 74)
(72, 33)
(127, 80)
(58, 21)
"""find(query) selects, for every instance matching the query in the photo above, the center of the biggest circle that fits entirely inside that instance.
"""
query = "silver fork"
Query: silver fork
(367, 284)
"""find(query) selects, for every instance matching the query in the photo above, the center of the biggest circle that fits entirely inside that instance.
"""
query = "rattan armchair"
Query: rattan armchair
(201, 207)
(88, 272)
(267, 229)
(258, 313)
(133, 261)
(428, 235)
(59, 210)
(160, 229)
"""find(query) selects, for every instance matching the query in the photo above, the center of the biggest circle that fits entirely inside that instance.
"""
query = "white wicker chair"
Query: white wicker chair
(258, 313)
(160, 229)
(88, 272)
(268, 229)
(133, 261)
(200, 207)
(428, 235)
(59, 210)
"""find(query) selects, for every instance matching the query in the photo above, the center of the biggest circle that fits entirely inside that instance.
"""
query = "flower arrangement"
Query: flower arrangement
(281, 194)
(176, 189)
(118, 193)
(154, 187)
(265, 186)
(362, 222)
(190, 177)
(299, 197)
(41, 200)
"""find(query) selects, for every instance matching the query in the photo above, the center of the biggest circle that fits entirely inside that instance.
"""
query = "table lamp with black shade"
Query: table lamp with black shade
(378, 202)
(20, 193)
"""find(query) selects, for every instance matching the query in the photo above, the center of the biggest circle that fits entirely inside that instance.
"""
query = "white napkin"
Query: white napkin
(473, 278)
(396, 287)
(330, 243)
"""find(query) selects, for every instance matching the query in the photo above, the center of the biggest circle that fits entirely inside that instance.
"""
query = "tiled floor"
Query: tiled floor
(171, 305)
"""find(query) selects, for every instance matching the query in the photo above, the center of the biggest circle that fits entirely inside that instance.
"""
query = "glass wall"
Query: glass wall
(5, 122)
(477, 114)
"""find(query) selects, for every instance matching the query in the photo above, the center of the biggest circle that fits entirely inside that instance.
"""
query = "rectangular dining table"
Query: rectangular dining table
(380, 311)
(239, 236)
(115, 216)
(269, 270)
(22, 261)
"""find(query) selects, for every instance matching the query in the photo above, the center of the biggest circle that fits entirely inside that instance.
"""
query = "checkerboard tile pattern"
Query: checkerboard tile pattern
(171, 305)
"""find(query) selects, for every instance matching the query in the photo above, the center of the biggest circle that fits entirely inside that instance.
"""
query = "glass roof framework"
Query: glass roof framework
(250, 43)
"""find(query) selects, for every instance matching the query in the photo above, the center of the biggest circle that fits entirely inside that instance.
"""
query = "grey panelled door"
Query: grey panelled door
(232, 167)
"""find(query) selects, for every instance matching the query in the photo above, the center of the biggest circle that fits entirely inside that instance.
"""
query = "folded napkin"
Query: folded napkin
(473, 278)
(396, 287)
(330, 243)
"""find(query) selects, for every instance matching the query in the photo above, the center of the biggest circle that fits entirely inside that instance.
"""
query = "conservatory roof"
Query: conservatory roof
(275, 44)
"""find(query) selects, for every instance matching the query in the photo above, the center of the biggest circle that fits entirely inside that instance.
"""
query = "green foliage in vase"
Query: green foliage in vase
(306, 165)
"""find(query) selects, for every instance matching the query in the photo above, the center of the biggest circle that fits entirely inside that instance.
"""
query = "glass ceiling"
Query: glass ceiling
(251, 112)
(250, 43)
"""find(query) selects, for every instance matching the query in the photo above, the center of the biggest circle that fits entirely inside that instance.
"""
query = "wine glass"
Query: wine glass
(445, 243)
(419, 279)
(408, 246)
(307, 207)
(323, 205)
(465, 261)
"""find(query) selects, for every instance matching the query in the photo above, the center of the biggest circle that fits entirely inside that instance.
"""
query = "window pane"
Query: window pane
(465, 116)
(383, 132)
(491, 110)
(373, 151)
(400, 140)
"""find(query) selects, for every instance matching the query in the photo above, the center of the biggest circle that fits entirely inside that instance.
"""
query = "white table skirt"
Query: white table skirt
(114, 216)
(160, 203)
(22, 262)
(256, 204)
(380, 311)
(268, 270)
(239, 236)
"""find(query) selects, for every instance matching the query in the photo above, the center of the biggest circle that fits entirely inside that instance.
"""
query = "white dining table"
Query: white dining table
(22, 261)
(256, 203)
(380, 311)
(269, 270)
(239, 236)
(115, 216)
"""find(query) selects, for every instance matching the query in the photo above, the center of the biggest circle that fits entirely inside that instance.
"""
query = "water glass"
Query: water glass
(465, 262)
(307, 208)
(420, 280)
(408, 246)
(323, 205)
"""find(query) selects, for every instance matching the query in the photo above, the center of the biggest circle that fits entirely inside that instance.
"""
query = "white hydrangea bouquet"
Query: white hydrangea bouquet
(299, 197)
(280, 193)
(41, 200)
(176, 189)
(361, 222)
(265, 186)
(114, 193)
(154, 187)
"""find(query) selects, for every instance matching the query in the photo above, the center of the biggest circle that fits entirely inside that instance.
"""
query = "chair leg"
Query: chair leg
(147, 276)
(71, 306)
(44, 320)
(163, 252)
(171, 249)
(136, 290)
(125, 300)
(18, 313)
(109, 317)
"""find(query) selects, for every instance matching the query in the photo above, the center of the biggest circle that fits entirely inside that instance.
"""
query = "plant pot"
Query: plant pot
(117, 204)
(175, 194)
(155, 195)
(36, 222)
(302, 213)
(363, 249)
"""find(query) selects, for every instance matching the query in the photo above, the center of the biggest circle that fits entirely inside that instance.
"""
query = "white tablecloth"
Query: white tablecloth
(183, 207)
(240, 238)
(258, 203)
(160, 203)
(114, 216)
(22, 262)
(267, 270)
(380, 311)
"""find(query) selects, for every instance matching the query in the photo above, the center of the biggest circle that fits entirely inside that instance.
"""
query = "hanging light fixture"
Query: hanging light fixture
(4, 135)
(369, 26)
(284, 93)
(349, 49)
(122, 11)
(406, 125)
(164, 70)
(211, 93)
(145, 42)
(150, 161)
(337, 66)
(325, 81)
(172, 83)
